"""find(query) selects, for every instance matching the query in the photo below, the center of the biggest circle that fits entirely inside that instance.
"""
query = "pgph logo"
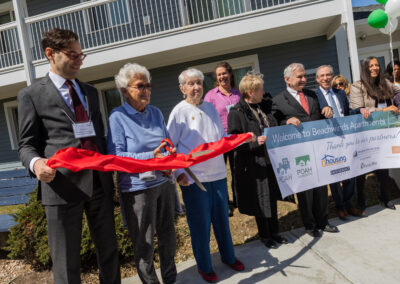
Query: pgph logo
(282, 170)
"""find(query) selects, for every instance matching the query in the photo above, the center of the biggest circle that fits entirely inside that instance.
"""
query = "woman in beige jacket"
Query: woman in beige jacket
(373, 93)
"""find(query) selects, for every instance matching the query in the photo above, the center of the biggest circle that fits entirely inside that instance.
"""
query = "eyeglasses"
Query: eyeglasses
(341, 84)
(72, 54)
(142, 87)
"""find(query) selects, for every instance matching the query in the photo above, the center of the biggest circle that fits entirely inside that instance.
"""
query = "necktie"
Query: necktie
(304, 102)
(333, 105)
(87, 143)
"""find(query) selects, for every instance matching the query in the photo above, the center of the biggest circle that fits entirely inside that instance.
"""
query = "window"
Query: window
(312, 83)
(240, 66)
(11, 112)
(106, 16)
(204, 10)
(110, 98)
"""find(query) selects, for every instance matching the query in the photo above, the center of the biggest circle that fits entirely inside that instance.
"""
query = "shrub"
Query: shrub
(28, 239)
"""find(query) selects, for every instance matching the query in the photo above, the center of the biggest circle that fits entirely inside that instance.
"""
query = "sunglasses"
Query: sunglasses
(72, 54)
(142, 87)
(341, 84)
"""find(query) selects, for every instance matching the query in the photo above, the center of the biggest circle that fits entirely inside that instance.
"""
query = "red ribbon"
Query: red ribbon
(76, 159)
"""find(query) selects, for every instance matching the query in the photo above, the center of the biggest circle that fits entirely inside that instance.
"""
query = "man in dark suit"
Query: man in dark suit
(337, 100)
(294, 106)
(57, 112)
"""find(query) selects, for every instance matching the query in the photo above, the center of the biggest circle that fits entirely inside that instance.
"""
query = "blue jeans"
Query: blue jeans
(202, 209)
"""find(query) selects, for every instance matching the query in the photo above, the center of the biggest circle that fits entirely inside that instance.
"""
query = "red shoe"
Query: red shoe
(237, 265)
(209, 277)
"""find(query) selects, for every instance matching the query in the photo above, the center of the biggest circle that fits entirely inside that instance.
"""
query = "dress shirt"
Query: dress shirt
(62, 88)
(335, 99)
(136, 134)
(295, 94)
(223, 103)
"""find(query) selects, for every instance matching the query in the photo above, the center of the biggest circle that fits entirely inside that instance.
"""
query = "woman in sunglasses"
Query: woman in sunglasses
(373, 93)
(148, 199)
(340, 82)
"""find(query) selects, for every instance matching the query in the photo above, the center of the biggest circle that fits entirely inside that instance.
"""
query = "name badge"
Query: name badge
(83, 129)
(228, 107)
(382, 105)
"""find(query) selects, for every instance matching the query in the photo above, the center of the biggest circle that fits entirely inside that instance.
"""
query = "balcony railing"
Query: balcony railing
(10, 49)
(104, 23)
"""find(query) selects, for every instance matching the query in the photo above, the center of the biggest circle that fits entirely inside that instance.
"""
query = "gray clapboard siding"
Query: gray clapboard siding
(311, 52)
(36, 7)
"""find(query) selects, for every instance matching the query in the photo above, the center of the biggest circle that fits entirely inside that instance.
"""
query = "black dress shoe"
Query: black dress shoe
(279, 239)
(314, 233)
(390, 205)
(331, 229)
(269, 243)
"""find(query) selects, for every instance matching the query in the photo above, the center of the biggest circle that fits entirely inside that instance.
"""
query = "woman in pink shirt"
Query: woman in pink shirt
(223, 97)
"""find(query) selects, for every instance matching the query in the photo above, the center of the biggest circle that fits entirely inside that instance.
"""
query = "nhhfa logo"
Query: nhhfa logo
(282, 170)
(303, 168)
(329, 160)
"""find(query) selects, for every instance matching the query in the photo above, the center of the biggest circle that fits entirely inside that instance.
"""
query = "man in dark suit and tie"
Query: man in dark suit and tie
(295, 105)
(57, 112)
(337, 100)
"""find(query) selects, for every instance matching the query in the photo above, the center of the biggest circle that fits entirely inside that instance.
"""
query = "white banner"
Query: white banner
(326, 151)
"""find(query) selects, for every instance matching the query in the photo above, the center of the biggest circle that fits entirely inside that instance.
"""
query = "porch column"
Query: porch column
(351, 40)
(21, 13)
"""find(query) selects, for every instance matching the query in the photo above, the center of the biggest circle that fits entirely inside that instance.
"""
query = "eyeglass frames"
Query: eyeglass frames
(341, 84)
(142, 87)
(72, 54)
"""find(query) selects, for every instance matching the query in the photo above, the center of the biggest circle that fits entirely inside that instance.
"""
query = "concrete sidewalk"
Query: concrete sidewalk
(367, 250)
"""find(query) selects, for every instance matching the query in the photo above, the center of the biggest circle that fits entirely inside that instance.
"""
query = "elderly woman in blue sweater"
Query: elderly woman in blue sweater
(148, 200)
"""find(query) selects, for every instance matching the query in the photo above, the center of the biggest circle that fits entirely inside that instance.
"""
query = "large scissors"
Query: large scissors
(169, 146)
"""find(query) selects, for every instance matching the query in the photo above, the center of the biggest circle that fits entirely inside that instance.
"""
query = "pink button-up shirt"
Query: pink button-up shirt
(223, 103)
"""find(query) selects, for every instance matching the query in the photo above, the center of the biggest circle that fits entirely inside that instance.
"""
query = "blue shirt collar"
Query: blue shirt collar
(131, 110)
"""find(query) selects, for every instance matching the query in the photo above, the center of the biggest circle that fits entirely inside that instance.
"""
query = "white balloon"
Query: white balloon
(390, 27)
(392, 8)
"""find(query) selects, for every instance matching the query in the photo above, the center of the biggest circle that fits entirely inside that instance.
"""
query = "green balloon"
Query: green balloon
(378, 19)
(383, 2)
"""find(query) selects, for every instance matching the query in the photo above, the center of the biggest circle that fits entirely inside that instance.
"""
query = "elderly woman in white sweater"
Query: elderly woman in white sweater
(193, 122)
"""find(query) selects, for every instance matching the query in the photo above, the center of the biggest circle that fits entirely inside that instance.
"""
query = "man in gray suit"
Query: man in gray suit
(57, 112)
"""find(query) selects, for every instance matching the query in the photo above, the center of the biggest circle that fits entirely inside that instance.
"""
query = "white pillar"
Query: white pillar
(351, 40)
(343, 53)
(20, 14)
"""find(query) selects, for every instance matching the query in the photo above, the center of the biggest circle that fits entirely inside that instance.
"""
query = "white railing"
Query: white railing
(99, 23)
(10, 49)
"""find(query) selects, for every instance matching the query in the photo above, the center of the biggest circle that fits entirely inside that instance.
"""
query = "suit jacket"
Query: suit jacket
(341, 95)
(286, 106)
(45, 127)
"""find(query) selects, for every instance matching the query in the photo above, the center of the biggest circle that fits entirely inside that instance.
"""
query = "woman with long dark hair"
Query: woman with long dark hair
(373, 93)
(223, 97)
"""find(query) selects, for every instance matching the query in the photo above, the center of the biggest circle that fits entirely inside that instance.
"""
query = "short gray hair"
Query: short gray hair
(127, 72)
(190, 73)
(324, 66)
(288, 72)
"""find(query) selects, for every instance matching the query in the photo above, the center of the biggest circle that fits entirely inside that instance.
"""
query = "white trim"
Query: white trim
(238, 62)
(11, 123)
(7, 6)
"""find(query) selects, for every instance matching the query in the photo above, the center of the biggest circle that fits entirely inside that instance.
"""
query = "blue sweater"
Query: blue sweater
(136, 134)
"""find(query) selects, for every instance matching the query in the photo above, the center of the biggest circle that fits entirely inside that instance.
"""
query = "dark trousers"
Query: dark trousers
(343, 194)
(383, 178)
(64, 223)
(204, 209)
(269, 226)
(313, 206)
(147, 212)
(229, 156)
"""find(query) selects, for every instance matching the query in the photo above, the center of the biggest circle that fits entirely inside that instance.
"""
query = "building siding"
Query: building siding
(165, 95)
